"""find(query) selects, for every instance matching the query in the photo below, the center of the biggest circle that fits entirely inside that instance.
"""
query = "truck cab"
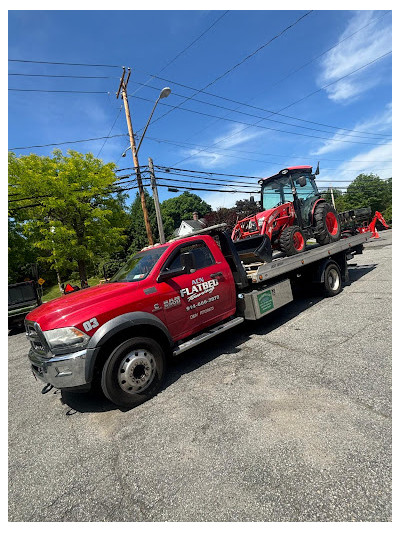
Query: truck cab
(166, 292)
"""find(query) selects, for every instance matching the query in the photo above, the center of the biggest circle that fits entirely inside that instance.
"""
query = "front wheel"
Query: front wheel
(134, 372)
(292, 240)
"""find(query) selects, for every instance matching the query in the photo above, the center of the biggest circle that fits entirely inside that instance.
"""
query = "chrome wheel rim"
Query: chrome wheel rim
(333, 279)
(136, 371)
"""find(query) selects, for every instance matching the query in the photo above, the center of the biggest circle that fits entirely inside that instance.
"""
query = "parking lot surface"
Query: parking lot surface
(284, 419)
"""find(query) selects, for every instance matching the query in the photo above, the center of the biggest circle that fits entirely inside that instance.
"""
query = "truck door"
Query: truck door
(194, 301)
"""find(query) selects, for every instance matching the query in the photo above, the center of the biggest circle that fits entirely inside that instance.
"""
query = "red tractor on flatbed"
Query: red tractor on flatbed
(292, 212)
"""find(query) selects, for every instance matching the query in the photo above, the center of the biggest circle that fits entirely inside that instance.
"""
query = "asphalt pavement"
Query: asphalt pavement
(283, 419)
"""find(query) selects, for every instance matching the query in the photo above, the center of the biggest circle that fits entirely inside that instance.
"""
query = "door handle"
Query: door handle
(216, 275)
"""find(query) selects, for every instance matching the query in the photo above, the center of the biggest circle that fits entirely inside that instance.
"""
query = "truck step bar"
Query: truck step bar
(216, 330)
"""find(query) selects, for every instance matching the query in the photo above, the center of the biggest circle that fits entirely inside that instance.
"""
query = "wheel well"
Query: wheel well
(120, 336)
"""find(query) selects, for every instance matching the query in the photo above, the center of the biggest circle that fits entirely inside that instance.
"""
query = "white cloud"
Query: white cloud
(376, 161)
(355, 52)
(379, 123)
(235, 136)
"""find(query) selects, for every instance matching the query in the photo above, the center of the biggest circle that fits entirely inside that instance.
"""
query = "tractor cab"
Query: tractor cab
(295, 185)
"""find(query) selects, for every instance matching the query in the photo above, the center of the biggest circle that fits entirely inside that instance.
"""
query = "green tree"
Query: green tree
(369, 190)
(68, 208)
(182, 207)
(21, 253)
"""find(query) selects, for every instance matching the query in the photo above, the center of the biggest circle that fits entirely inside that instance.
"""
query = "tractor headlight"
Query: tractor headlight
(64, 340)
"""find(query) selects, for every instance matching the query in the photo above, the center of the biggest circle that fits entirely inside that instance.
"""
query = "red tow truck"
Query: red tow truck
(165, 300)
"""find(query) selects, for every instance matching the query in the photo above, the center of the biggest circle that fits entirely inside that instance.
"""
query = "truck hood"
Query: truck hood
(76, 307)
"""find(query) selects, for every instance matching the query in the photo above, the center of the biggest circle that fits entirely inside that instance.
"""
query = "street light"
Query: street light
(163, 94)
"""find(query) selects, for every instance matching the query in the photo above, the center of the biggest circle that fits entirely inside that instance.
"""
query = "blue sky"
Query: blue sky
(345, 124)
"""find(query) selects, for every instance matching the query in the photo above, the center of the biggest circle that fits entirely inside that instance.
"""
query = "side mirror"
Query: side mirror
(302, 181)
(168, 274)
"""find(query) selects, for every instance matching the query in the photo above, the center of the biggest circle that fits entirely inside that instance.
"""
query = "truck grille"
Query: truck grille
(36, 338)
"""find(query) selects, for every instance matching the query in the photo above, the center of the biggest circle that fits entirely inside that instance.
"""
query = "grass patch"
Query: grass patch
(52, 292)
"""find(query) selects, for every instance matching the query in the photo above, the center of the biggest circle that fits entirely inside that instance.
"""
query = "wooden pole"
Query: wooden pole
(122, 89)
(156, 202)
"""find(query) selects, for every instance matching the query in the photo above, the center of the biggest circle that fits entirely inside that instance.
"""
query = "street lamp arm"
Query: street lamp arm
(147, 125)
(163, 94)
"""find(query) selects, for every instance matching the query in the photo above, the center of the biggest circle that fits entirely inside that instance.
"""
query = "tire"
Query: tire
(326, 224)
(292, 240)
(332, 283)
(134, 372)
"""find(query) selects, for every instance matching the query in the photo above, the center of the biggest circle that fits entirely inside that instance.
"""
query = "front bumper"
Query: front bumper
(61, 371)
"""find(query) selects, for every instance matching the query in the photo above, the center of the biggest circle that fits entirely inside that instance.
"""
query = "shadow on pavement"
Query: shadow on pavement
(228, 343)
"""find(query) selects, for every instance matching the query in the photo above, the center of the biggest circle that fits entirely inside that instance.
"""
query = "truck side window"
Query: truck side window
(202, 256)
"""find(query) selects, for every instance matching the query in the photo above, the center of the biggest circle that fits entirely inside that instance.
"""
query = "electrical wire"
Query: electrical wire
(64, 63)
(68, 142)
(109, 133)
(61, 76)
(294, 156)
(266, 118)
(185, 49)
(236, 65)
(55, 91)
(293, 103)
(256, 125)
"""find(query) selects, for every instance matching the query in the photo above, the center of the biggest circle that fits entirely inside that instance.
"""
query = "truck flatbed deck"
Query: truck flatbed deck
(260, 272)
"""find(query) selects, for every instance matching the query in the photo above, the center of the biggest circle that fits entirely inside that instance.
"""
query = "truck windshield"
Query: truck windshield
(139, 266)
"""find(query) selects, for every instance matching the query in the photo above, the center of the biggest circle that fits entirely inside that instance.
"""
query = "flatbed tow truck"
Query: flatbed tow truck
(167, 299)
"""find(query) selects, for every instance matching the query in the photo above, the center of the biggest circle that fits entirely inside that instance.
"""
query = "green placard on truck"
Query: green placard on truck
(265, 302)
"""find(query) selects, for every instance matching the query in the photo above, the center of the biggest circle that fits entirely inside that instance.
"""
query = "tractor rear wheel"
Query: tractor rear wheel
(292, 240)
(326, 224)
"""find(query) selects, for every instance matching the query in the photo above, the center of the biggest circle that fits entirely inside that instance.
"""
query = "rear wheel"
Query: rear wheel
(332, 283)
(292, 240)
(134, 372)
(326, 224)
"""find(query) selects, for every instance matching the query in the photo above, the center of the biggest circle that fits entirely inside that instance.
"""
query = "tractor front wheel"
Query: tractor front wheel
(292, 240)
(326, 224)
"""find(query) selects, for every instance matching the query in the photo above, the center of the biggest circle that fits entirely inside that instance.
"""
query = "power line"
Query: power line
(291, 73)
(109, 133)
(236, 65)
(67, 142)
(62, 76)
(328, 49)
(185, 49)
(293, 156)
(56, 91)
(266, 118)
(256, 124)
(63, 63)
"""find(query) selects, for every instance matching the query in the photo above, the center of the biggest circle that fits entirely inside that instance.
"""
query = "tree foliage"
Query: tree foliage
(182, 207)
(369, 190)
(21, 253)
(67, 206)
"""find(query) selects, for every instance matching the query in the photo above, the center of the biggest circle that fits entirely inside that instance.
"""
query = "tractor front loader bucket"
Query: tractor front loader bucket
(254, 249)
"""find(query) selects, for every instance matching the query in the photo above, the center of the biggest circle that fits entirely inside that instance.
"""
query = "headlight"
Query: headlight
(63, 339)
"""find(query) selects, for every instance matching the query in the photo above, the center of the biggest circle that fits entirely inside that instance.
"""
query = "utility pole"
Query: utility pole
(156, 202)
(122, 90)
(333, 198)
